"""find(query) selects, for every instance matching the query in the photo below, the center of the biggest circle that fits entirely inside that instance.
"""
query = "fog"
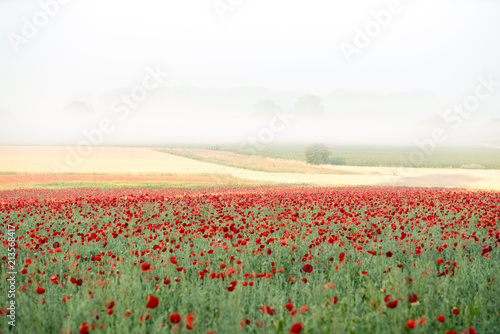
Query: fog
(159, 72)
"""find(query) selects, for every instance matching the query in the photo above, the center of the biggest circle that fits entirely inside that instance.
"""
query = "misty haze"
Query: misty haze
(240, 166)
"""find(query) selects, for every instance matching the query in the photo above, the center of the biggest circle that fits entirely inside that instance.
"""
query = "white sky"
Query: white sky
(440, 46)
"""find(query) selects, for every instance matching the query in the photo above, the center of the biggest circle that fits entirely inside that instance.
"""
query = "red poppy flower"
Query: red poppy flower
(412, 298)
(469, 330)
(144, 317)
(40, 290)
(110, 304)
(232, 285)
(145, 266)
(175, 318)
(392, 304)
(289, 306)
(307, 268)
(189, 320)
(152, 301)
(440, 318)
(78, 282)
(410, 324)
(267, 309)
(84, 329)
(245, 321)
(296, 328)
(389, 254)
(455, 311)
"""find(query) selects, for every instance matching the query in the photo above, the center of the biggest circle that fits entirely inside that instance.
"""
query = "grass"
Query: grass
(184, 236)
(89, 180)
(132, 184)
(255, 163)
(449, 157)
(383, 156)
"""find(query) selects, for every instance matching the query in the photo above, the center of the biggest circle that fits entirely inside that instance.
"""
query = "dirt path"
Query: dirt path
(126, 160)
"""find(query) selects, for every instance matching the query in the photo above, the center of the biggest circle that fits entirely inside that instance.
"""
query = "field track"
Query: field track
(140, 163)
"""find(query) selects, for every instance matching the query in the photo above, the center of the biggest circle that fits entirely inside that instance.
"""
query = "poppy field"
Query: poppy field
(250, 260)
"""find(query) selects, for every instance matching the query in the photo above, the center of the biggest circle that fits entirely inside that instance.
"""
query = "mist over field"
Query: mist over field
(244, 166)
(280, 72)
(193, 115)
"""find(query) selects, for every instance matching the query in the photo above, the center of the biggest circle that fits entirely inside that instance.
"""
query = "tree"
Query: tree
(309, 107)
(317, 154)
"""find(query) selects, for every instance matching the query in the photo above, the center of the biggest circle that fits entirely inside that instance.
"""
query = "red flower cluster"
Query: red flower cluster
(88, 247)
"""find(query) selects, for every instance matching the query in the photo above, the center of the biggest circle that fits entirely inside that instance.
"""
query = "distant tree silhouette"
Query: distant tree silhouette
(309, 107)
(317, 154)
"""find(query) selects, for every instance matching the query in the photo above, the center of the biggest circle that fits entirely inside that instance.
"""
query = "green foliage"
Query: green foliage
(376, 155)
(337, 161)
(317, 154)
(390, 156)
(132, 184)
(360, 307)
